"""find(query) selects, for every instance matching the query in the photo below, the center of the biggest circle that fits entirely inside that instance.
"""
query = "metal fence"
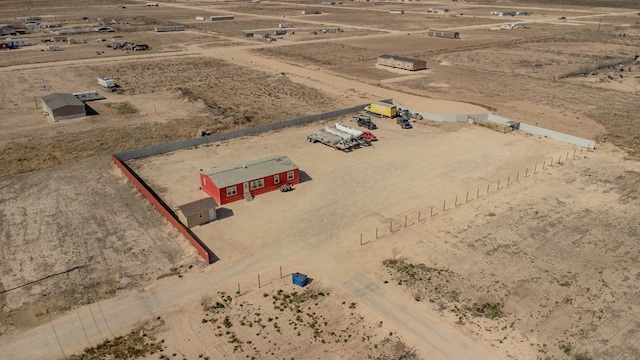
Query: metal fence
(570, 139)
(178, 145)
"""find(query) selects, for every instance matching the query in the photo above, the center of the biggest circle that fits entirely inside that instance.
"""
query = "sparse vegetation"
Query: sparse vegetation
(137, 344)
(123, 108)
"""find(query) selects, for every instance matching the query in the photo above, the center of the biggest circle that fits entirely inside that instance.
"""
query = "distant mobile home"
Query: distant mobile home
(244, 181)
(444, 34)
(221, 17)
(401, 62)
(169, 28)
(14, 43)
(396, 12)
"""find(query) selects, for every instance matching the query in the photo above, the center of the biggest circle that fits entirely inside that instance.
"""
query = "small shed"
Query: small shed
(197, 213)
(244, 181)
(444, 34)
(63, 106)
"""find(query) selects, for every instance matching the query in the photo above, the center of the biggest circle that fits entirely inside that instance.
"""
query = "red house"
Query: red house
(246, 180)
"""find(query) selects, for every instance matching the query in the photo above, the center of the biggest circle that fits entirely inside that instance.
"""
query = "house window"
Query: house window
(290, 175)
(231, 191)
(276, 179)
(257, 184)
(408, 66)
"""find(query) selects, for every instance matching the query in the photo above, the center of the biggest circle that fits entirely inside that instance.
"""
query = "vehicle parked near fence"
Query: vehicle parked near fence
(382, 109)
(365, 121)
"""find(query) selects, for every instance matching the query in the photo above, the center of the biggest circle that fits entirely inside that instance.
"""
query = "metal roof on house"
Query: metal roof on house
(252, 170)
(198, 206)
(57, 101)
(400, 58)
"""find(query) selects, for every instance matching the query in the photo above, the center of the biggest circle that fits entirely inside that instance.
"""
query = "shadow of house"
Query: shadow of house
(304, 177)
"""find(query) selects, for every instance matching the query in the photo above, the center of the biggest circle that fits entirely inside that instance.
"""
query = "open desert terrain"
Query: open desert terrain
(445, 241)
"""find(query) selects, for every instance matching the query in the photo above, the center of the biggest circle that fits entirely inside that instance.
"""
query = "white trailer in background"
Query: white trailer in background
(106, 82)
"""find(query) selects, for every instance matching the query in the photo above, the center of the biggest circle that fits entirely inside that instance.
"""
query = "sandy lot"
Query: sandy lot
(425, 172)
(544, 268)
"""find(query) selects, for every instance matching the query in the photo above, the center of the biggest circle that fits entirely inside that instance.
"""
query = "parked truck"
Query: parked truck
(365, 121)
(382, 109)
(365, 136)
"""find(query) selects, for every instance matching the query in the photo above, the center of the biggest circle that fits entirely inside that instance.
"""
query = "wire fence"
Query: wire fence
(422, 215)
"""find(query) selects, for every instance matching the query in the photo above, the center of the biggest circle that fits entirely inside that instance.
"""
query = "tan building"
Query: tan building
(401, 62)
(63, 106)
(197, 213)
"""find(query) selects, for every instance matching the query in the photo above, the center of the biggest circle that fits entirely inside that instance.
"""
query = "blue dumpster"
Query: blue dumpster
(299, 279)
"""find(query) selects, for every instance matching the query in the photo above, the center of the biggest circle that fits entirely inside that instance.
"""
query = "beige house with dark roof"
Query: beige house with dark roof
(401, 62)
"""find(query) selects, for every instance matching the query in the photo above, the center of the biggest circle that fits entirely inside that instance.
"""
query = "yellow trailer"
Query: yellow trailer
(382, 109)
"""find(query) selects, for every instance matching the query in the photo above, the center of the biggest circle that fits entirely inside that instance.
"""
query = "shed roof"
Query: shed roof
(58, 100)
(252, 170)
(197, 206)
(399, 58)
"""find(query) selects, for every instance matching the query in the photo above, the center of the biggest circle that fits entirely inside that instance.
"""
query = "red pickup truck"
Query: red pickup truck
(368, 135)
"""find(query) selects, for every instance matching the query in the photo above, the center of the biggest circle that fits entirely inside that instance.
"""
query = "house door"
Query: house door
(245, 188)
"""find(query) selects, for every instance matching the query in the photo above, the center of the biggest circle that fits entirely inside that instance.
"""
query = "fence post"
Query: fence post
(280, 271)
(478, 193)
(535, 168)
(526, 173)
(360, 239)
(574, 153)
(508, 179)
(405, 220)
(518, 176)
(467, 198)
(559, 159)
(498, 188)
(544, 163)
(238, 288)
(567, 158)
(431, 210)
(258, 281)
(444, 206)
(551, 163)
(487, 188)
(419, 215)
(455, 203)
